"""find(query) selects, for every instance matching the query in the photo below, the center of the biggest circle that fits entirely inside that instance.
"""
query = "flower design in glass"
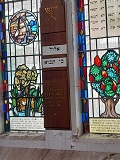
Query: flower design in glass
(25, 95)
(23, 27)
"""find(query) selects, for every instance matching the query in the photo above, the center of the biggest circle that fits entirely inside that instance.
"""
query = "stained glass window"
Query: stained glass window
(99, 59)
(105, 79)
(83, 64)
(21, 65)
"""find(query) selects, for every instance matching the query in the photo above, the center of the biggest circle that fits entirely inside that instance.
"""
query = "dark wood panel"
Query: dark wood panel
(53, 39)
(52, 16)
(56, 99)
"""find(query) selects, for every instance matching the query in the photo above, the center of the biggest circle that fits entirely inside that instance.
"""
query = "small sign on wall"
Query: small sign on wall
(104, 15)
(55, 98)
(27, 123)
(54, 50)
(105, 125)
(54, 62)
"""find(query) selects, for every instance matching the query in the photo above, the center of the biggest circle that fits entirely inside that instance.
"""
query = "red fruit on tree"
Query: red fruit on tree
(104, 74)
(116, 68)
(91, 78)
(97, 61)
(102, 86)
(114, 87)
(118, 80)
(108, 65)
(118, 61)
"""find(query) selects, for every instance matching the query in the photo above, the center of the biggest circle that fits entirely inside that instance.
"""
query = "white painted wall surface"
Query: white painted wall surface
(71, 14)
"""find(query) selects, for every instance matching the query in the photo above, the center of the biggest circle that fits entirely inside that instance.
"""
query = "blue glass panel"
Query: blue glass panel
(81, 71)
(79, 16)
(5, 54)
(86, 94)
(0, 26)
(87, 117)
(83, 47)
(83, 117)
(7, 116)
(84, 61)
(6, 75)
(81, 39)
(82, 93)
(1, 35)
(82, 16)
(0, 7)
(5, 66)
(4, 107)
(6, 94)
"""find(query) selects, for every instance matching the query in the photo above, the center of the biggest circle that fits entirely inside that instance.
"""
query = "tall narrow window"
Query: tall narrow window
(100, 55)
(24, 93)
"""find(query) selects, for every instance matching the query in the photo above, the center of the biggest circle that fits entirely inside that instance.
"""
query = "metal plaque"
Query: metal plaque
(105, 125)
(54, 50)
(54, 62)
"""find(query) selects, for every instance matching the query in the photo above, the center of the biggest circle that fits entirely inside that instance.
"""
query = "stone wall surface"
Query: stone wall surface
(39, 154)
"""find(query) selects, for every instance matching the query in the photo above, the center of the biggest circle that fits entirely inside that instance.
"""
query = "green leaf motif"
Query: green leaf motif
(14, 102)
(104, 61)
(109, 93)
(96, 86)
(98, 78)
(110, 78)
(95, 70)
(108, 81)
(118, 89)
(32, 91)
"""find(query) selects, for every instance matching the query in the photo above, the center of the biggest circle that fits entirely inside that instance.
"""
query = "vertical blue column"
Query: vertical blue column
(83, 65)
(4, 66)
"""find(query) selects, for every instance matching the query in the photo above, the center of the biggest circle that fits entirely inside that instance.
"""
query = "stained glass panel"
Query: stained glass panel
(21, 65)
(83, 64)
(23, 27)
(100, 55)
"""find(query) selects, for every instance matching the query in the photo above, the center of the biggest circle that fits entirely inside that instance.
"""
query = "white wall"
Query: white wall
(71, 14)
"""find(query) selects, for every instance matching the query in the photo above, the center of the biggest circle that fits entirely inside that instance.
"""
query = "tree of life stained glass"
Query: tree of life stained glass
(105, 79)
(23, 27)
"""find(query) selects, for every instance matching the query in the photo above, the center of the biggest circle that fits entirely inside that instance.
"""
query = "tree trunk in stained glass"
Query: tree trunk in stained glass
(110, 109)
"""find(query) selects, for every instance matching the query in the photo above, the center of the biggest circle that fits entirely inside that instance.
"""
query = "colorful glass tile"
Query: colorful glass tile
(4, 66)
(83, 65)
(24, 87)
(104, 77)
(23, 27)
